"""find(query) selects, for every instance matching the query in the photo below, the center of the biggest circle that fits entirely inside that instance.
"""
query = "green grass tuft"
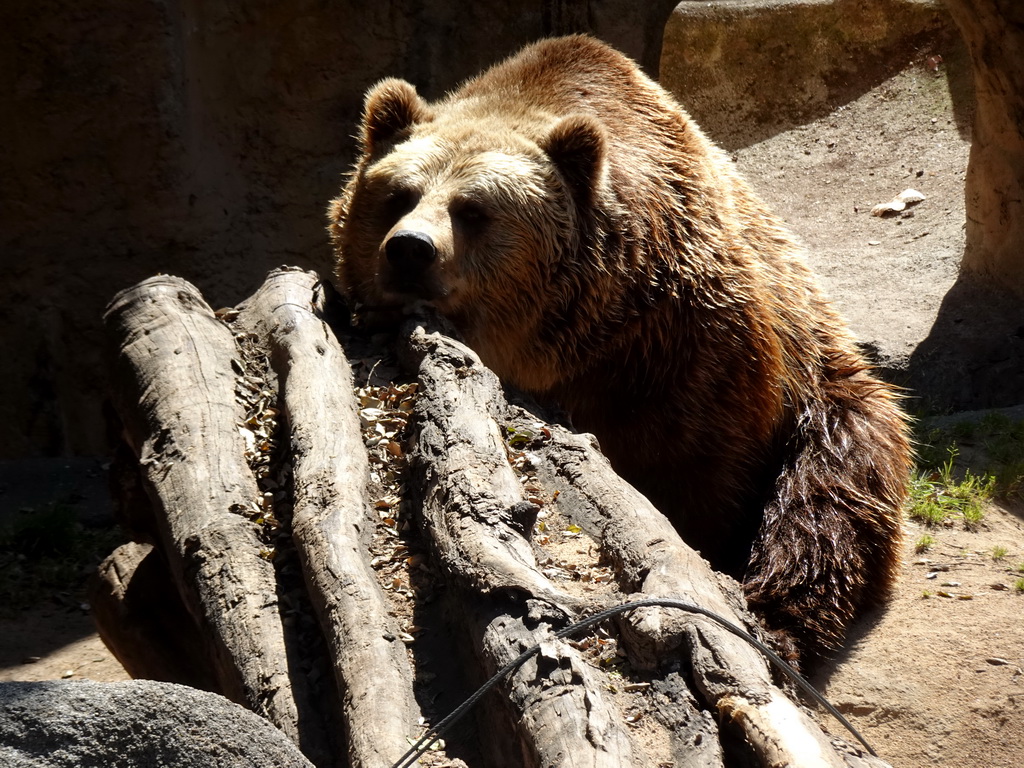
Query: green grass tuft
(941, 495)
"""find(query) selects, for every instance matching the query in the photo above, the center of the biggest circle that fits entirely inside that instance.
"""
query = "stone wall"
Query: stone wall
(748, 69)
(202, 139)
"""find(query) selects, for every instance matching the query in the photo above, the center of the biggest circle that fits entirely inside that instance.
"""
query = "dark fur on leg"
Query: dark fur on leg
(829, 544)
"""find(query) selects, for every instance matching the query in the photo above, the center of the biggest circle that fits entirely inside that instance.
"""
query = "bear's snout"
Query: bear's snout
(410, 254)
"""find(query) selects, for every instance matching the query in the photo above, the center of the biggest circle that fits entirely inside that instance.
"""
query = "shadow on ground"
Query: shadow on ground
(973, 357)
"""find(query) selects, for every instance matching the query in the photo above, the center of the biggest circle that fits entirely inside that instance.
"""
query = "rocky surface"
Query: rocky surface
(138, 723)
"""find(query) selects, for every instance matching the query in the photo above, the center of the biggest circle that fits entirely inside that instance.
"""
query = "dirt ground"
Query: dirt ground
(933, 680)
(54, 642)
(936, 677)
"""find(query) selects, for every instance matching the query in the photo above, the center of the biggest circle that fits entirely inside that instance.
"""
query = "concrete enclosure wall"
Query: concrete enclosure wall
(197, 138)
(204, 139)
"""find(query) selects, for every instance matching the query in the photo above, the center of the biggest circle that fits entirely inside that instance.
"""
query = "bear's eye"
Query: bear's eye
(398, 202)
(470, 213)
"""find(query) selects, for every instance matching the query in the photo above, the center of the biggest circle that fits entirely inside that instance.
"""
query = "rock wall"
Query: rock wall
(752, 68)
(202, 139)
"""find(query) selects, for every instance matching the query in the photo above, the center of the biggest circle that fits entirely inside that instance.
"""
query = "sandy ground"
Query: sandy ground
(935, 678)
(931, 680)
(887, 275)
(53, 642)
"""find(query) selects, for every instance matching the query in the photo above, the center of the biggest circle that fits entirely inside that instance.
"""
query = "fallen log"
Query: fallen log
(461, 412)
(331, 520)
(154, 636)
(175, 391)
(502, 529)
(478, 520)
(653, 561)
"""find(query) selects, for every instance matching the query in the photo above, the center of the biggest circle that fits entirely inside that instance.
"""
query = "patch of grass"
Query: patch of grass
(45, 552)
(1004, 440)
(997, 437)
(924, 543)
(999, 552)
(973, 515)
(925, 506)
(1019, 585)
(942, 494)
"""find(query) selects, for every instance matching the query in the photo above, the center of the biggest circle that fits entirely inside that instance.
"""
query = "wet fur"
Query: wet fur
(630, 275)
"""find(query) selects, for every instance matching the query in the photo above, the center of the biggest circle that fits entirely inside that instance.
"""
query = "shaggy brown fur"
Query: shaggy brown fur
(596, 249)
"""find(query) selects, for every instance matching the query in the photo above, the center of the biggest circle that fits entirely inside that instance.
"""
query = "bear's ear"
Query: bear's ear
(391, 106)
(576, 145)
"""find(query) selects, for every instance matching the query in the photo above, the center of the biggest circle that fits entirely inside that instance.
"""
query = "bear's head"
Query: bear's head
(478, 205)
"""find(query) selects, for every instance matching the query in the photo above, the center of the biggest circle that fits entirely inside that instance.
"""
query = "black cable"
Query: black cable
(434, 734)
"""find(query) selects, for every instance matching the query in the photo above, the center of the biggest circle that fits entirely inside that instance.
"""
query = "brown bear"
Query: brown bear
(597, 250)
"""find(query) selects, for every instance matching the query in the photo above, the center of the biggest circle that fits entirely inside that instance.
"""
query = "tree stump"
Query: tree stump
(351, 558)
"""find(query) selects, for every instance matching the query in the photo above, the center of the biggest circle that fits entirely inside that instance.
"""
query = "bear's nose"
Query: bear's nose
(410, 252)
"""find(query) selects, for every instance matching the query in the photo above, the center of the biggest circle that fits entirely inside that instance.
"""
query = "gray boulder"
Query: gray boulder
(138, 723)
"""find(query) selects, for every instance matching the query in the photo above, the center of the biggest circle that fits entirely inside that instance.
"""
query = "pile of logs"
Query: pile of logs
(349, 559)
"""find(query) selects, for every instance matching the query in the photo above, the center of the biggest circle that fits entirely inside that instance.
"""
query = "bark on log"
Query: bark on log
(176, 394)
(475, 510)
(330, 520)
(476, 494)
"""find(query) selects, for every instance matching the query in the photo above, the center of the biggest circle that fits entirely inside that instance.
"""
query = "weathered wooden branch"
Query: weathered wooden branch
(476, 510)
(330, 522)
(461, 408)
(176, 393)
(732, 676)
(477, 517)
